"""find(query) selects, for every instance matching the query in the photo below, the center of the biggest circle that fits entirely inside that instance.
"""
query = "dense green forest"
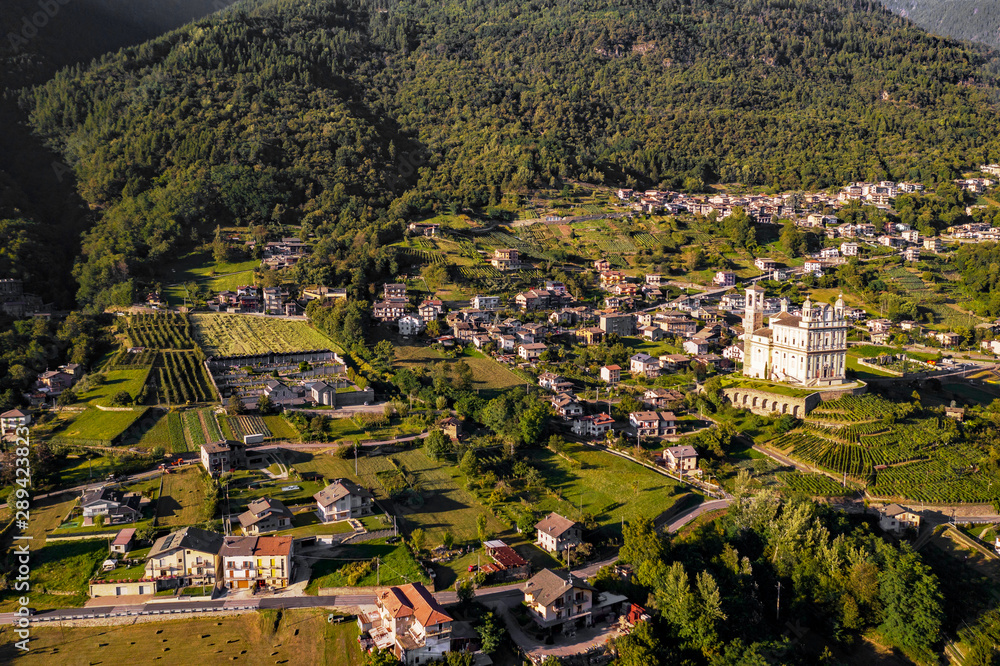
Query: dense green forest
(974, 20)
(350, 117)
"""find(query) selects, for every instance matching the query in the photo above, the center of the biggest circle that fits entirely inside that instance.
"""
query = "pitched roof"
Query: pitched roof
(546, 586)
(189, 538)
(682, 451)
(13, 414)
(261, 508)
(338, 489)
(124, 537)
(413, 599)
(554, 524)
(256, 546)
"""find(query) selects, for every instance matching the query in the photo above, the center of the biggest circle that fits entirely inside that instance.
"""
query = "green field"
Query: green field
(486, 373)
(301, 637)
(608, 487)
(447, 506)
(397, 567)
(96, 425)
(306, 523)
(130, 381)
(183, 499)
(201, 268)
(234, 335)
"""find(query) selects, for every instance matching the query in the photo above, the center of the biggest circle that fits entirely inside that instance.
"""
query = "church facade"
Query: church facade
(808, 349)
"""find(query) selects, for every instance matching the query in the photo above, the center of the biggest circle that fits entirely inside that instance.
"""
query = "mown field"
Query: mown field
(235, 335)
(397, 567)
(606, 486)
(96, 425)
(130, 381)
(486, 373)
(183, 499)
(298, 637)
(447, 506)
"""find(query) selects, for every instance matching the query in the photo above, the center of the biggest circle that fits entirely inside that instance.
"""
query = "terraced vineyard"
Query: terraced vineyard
(895, 458)
(183, 379)
(160, 331)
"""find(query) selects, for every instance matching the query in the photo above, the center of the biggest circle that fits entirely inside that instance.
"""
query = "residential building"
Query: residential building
(933, 244)
(724, 279)
(695, 346)
(343, 499)
(662, 397)
(390, 309)
(13, 419)
(265, 515)
(216, 458)
(654, 333)
(253, 562)
(644, 364)
(681, 458)
(531, 352)
(408, 621)
(486, 302)
(765, 264)
(430, 309)
(611, 374)
(948, 339)
(808, 349)
(190, 553)
(558, 599)
(394, 291)
(556, 533)
(849, 249)
(620, 324)
(589, 336)
(272, 301)
(653, 424)
(566, 406)
(898, 520)
(506, 259)
(911, 254)
(595, 426)
(116, 506)
(410, 325)
(553, 382)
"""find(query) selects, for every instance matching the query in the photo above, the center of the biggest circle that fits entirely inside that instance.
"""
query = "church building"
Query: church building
(808, 350)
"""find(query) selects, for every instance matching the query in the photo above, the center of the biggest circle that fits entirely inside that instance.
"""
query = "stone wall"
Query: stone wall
(766, 403)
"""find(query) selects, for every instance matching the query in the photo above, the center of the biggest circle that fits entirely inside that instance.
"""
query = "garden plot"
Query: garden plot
(239, 335)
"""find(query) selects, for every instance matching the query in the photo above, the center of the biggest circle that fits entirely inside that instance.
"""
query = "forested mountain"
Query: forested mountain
(974, 20)
(349, 115)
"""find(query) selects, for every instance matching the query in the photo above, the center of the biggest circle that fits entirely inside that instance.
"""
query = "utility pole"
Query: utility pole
(378, 570)
(355, 457)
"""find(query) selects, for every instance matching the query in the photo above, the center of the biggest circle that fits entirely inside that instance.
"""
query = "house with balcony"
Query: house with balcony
(611, 374)
(653, 424)
(13, 419)
(681, 458)
(191, 554)
(557, 600)
(506, 259)
(486, 302)
(644, 364)
(566, 406)
(408, 621)
(265, 515)
(254, 562)
(341, 500)
(531, 352)
(556, 533)
(898, 520)
(114, 505)
(596, 426)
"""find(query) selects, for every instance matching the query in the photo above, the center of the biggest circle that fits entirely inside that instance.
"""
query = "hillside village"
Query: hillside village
(500, 430)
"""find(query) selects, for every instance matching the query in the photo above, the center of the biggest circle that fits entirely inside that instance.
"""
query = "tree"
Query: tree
(385, 353)
(417, 540)
(911, 600)
(465, 591)
(235, 406)
(120, 399)
(441, 403)
(491, 632)
(482, 527)
(437, 445)
(469, 464)
(448, 541)
(381, 658)
(264, 404)
(641, 647)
